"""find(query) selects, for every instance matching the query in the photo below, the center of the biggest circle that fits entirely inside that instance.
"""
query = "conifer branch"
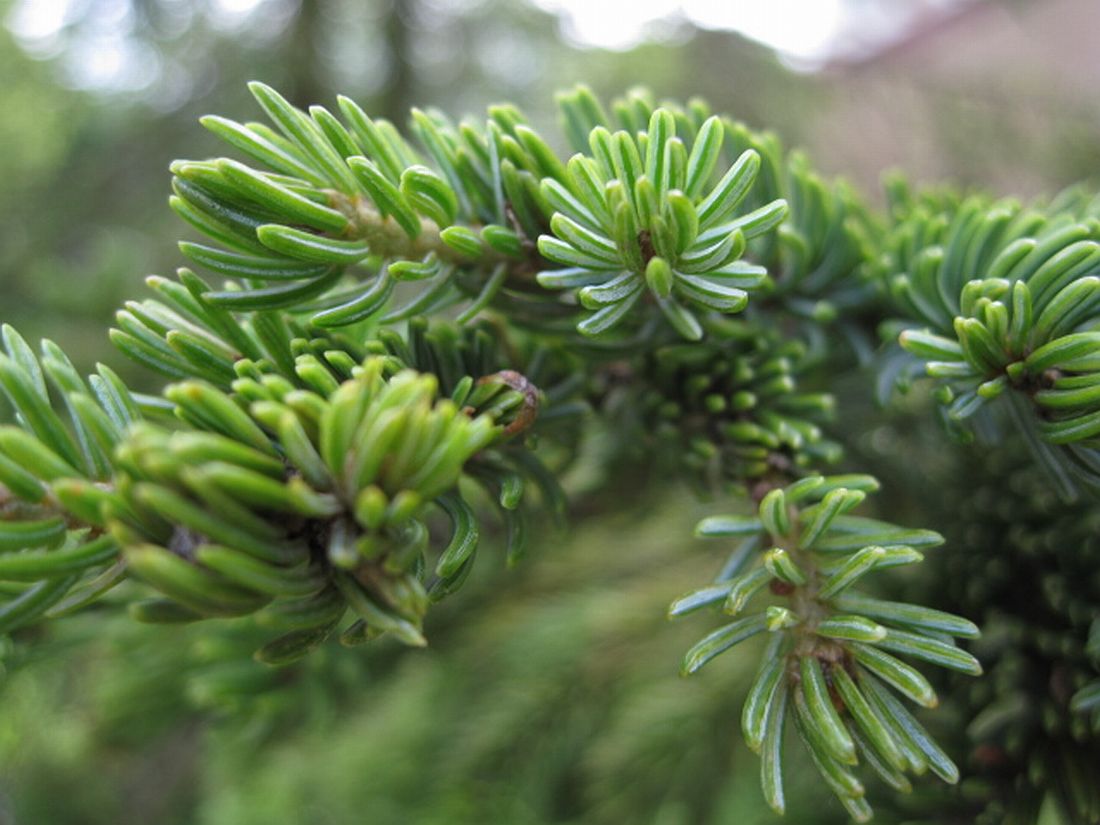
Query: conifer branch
(326, 460)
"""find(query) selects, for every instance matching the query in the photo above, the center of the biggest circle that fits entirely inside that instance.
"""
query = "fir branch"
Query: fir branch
(832, 650)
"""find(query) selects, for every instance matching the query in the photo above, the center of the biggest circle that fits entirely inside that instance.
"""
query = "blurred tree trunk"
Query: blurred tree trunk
(399, 92)
(307, 84)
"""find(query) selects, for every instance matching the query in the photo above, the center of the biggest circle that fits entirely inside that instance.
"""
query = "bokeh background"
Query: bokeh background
(550, 693)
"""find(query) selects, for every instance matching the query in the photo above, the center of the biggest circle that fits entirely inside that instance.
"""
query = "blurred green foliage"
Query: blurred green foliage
(558, 703)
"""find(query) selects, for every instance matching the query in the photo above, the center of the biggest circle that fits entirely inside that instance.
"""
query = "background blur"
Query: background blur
(553, 698)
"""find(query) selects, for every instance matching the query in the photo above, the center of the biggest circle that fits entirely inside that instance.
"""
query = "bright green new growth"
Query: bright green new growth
(359, 469)
(301, 498)
(326, 460)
